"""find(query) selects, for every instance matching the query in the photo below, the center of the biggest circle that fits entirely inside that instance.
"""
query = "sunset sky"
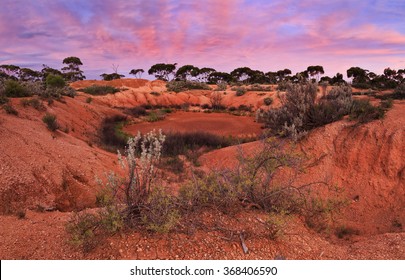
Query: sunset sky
(263, 35)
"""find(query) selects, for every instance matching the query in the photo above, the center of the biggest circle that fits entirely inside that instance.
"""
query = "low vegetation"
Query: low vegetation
(51, 121)
(141, 200)
(100, 90)
(35, 103)
(10, 109)
(178, 86)
(111, 133)
(178, 143)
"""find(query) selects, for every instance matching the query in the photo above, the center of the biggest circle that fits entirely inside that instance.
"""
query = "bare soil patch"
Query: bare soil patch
(215, 123)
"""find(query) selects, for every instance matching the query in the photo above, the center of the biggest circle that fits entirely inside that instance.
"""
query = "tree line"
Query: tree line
(71, 72)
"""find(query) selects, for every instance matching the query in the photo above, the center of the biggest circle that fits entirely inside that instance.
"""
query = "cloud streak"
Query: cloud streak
(266, 35)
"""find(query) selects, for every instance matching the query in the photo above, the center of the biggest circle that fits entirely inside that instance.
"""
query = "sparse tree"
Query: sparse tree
(163, 71)
(216, 77)
(282, 74)
(242, 74)
(27, 74)
(112, 76)
(358, 74)
(72, 71)
(315, 71)
(204, 73)
(46, 70)
(10, 71)
(186, 72)
(137, 73)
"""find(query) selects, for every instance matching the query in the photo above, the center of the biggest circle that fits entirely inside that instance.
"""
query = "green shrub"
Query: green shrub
(58, 92)
(178, 86)
(363, 111)
(159, 214)
(34, 103)
(244, 107)
(268, 101)
(50, 121)
(99, 90)
(10, 109)
(111, 133)
(300, 112)
(155, 93)
(3, 99)
(136, 111)
(221, 86)
(89, 100)
(178, 143)
(240, 91)
(55, 81)
(155, 116)
(15, 89)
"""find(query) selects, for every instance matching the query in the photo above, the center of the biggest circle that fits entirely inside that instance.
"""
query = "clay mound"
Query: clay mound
(46, 170)
(367, 161)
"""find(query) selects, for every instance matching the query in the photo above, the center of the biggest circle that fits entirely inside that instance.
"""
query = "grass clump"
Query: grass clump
(363, 111)
(156, 115)
(111, 133)
(99, 90)
(10, 109)
(15, 89)
(136, 111)
(240, 91)
(268, 101)
(178, 86)
(178, 143)
(50, 121)
(35, 103)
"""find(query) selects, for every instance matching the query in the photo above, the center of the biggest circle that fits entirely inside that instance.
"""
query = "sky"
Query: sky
(264, 35)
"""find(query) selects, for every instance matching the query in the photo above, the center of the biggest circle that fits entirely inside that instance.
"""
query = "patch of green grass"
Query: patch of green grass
(100, 90)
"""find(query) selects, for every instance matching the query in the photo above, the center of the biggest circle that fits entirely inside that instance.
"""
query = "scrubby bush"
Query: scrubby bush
(3, 99)
(178, 86)
(216, 101)
(15, 89)
(35, 103)
(178, 143)
(300, 112)
(99, 90)
(50, 121)
(240, 91)
(111, 133)
(155, 93)
(221, 86)
(89, 100)
(244, 107)
(363, 111)
(55, 81)
(10, 109)
(136, 111)
(156, 115)
(268, 101)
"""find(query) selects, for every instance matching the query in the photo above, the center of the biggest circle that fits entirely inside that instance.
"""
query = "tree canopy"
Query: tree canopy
(163, 71)
(72, 71)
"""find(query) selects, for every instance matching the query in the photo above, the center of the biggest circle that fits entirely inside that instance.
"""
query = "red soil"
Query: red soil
(216, 123)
